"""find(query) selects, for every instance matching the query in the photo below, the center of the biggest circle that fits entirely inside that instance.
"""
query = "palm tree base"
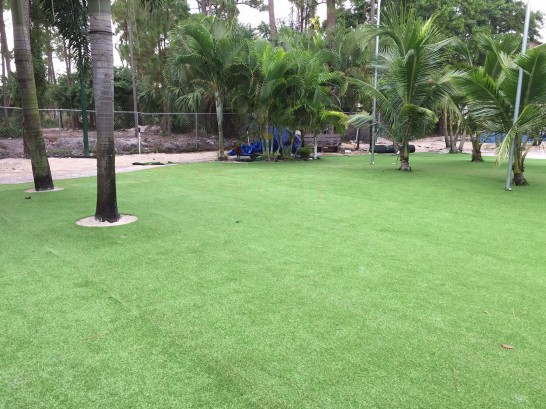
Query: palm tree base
(477, 156)
(405, 167)
(519, 179)
(43, 183)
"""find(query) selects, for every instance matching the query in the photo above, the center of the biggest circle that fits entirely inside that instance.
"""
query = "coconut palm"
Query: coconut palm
(413, 82)
(492, 102)
(29, 100)
(210, 55)
(494, 50)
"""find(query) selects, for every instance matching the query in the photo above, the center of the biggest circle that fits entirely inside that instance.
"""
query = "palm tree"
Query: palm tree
(102, 59)
(29, 100)
(495, 50)
(261, 91)
(72, 19)
(492, 102)
(316, 97)
(412, 84)
(210, 54)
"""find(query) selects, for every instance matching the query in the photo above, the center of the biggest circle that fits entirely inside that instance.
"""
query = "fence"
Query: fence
(157, 132)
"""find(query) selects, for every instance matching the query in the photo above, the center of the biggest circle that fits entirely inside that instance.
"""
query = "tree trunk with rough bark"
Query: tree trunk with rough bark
(518, 168)
(29, 99)
(102, 57)
(49, 51)
(6, 63)
(330, 15)
(476, 149)
(462, 141)
(272, 23)
(404, 156)
(372, 11)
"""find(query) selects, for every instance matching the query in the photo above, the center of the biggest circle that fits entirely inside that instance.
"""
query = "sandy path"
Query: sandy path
(20, 171)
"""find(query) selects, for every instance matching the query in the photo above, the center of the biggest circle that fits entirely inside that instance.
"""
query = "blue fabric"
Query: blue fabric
(256, 147)
(490, 137)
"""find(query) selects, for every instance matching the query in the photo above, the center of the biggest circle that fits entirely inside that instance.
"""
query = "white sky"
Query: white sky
(253, 17)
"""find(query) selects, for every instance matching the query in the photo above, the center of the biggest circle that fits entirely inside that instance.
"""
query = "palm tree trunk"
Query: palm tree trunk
(443, 119)
(272, 24)
(4, 42)
(102, 57)
(330, 15)
(372, 11)
(220, 119)
(404, 155)
(519, 178)
(476, 149)
(6, 65)
(29, 99)
(49, 51)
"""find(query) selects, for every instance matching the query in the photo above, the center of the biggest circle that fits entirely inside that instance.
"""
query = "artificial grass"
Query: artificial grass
(319, 284)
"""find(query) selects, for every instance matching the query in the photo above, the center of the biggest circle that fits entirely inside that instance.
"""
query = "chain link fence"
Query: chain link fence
(156, 132)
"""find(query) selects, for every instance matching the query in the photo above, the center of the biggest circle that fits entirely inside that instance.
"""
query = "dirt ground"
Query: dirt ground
(14, 169)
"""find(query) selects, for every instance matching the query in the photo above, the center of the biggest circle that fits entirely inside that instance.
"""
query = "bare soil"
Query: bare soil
(15, 169)
(63, 143)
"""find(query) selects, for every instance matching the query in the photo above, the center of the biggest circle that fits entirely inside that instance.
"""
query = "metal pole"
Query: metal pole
(84, 116)
(374, 127)
(196, 134)
(133, 80)
(518, 95)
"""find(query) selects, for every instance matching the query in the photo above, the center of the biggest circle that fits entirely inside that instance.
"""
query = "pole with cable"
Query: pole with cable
(518, 95)
(374, 127)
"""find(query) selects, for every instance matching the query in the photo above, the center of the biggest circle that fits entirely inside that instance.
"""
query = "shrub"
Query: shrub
(304, 152)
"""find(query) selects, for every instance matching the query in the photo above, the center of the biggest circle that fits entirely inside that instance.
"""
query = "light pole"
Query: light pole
(518, 95)
(358, 109)
(374, 127)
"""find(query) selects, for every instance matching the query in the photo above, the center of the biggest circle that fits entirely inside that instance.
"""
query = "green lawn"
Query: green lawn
(326, 284)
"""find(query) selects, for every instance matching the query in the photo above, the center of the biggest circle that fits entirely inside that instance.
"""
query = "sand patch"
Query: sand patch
(92, 222)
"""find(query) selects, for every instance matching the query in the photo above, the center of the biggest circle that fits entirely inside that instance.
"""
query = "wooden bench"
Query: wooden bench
(325, 142)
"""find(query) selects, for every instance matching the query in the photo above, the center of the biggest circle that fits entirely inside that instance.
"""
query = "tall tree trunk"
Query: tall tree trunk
(49, 51)
(272, 23)
(67, 63)
(4, 42)
(404, 155)
(102, 57)
(29, 100)
(220, 118)
(330, 15)
(6, 62)
(372, 11)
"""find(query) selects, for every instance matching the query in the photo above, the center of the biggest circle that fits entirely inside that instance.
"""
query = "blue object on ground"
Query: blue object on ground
(256, 148)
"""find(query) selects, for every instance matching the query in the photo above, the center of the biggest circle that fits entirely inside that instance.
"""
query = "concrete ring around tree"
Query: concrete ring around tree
(92, 222)
(55, 189)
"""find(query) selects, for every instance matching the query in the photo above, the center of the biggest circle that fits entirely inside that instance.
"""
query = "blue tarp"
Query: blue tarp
(490, 137)
(256, 148)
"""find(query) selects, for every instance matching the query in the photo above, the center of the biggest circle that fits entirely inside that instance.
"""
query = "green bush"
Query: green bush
(304, 152)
